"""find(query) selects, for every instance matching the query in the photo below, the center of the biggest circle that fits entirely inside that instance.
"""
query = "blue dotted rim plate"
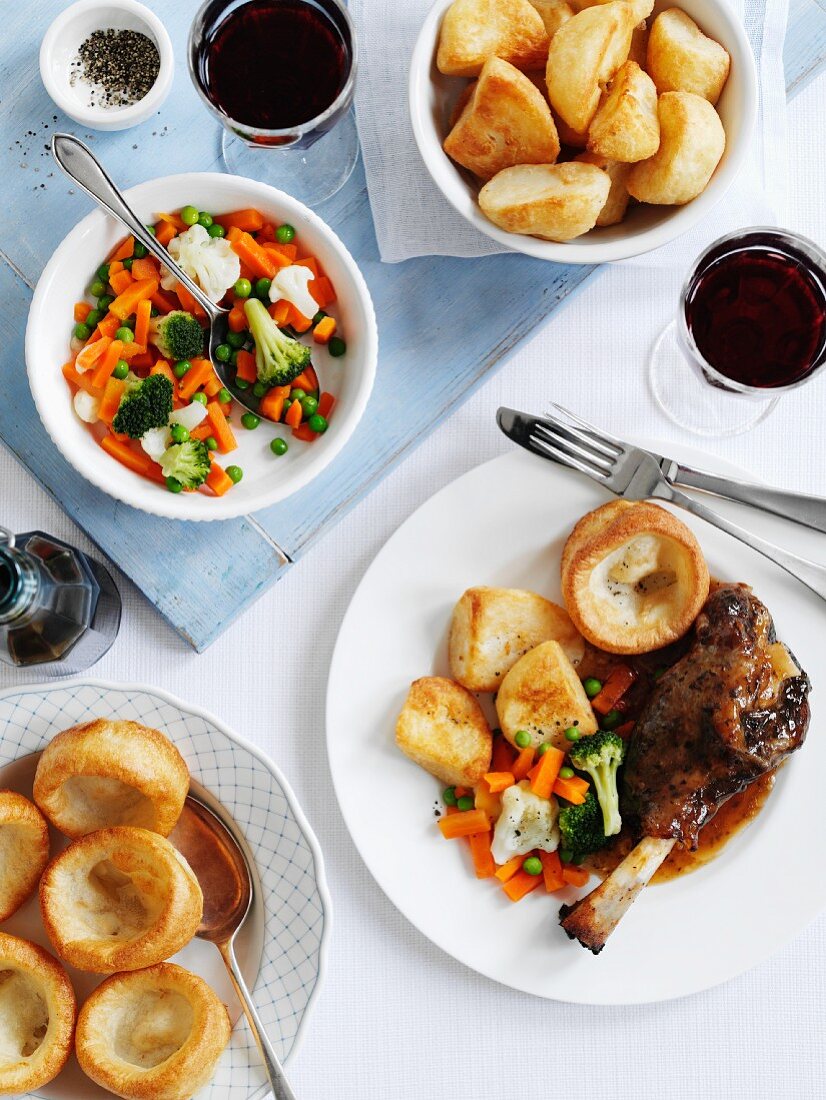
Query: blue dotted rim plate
(288, 857)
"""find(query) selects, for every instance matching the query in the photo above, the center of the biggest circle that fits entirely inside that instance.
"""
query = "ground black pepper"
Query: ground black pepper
(121, 67)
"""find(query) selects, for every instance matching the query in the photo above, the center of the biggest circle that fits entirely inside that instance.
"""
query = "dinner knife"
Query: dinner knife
(809, 511)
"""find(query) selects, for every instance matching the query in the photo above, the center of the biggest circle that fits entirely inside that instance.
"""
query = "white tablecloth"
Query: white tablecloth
(397, 1019)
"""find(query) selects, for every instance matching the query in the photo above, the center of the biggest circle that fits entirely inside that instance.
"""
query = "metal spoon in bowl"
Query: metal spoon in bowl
(80, 165)
(210, 842)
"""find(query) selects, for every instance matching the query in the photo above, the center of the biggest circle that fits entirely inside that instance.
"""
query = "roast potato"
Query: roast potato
(492, 628)
(642, 8)
(680, 58)
(692, 141)
(442, 728)
(554, 13)
(475, 30)
(584, 54)
(506, 121)
(553, 201)
(542, 694)
(616, 204)
(626, 126)
(639, 45)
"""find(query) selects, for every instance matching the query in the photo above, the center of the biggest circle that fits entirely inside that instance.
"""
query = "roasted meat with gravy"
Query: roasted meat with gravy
(731, 709)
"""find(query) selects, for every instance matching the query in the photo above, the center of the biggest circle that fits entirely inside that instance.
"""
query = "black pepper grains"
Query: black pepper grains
(120, 66)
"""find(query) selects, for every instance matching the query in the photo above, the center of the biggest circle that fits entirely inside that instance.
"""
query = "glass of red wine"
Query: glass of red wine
(279, 76)
(751, 326)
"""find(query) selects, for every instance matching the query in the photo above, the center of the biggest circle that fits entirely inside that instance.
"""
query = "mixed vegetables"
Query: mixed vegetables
(539, 812)
(138, 371)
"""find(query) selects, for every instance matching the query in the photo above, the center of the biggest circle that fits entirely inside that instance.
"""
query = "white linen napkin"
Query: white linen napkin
(411, 216)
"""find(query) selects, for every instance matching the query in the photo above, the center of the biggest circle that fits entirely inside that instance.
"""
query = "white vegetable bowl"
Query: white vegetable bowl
(267, 479)
(433, 96)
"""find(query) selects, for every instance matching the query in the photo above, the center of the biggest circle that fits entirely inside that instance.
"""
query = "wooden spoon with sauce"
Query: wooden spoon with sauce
(212, 845)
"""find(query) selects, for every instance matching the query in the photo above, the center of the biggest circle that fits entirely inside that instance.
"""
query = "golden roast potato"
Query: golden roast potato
(639, 45)
(442, 728)
(584, 54)
(505, 121)
(641, 8)
(680, 58)
(475, 30)
(574, 139)
(554, 13)
(618, 198)
(553, 201)
(626, 126)
(692, 141)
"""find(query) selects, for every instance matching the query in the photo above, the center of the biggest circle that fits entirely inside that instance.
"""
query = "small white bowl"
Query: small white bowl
(62, 42)
(267, 479)
(432, 98)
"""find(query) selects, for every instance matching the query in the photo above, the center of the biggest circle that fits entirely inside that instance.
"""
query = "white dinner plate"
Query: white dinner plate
(282, 952)
(504, 523)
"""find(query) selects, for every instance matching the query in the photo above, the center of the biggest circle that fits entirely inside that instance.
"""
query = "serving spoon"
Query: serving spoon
(81, 166)
(214, 848)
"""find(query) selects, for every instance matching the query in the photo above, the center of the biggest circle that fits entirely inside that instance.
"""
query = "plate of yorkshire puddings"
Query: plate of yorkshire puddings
(105, 987)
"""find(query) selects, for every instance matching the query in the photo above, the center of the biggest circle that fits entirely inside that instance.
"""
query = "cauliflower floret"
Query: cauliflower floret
(526, 822)
(290, 284)
(87, 407)
(208, 261)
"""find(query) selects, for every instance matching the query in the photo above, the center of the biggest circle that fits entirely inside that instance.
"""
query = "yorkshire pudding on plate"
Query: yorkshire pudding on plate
(119, 899)
(24, 850)
(633, 577)
(37, 1016)
(154, 1034)
(106, 773)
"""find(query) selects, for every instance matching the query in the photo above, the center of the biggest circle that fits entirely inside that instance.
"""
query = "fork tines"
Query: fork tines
(581, 449)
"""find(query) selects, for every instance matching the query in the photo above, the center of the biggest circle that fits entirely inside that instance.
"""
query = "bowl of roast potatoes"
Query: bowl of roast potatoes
(580, 131)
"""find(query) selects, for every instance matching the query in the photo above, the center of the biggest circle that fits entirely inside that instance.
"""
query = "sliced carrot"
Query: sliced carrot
(546, 772)
(202, 432)
(188, 301)
(483, 863)
(127, 456)
(213, 385)
(619, 680)
(249, 221)
(521, 884)
(503, 754)
(120, 281)
(81, 381)
(522, 764)
(288, 250)
(124, 250)
(490, 803)
(325, 328)
(575, 876)
(140, 362)
(237, 319)
(90, 356)
(322, 290)
(219, 480)
(221, 428)
(258, 259)
(107, 364)
(298, 321)
(147, 268)
(142, 315)
(571, 790)
(625, 730)
(111, 399)
(311, 263)
(126, 303)
(461, 792)
(509, 869)
(162, 367)
(280, 312)
(109, 325)
(294, 414)
(305, 433)
(266, 233)
(132, 351)
(276, 255)
(245, 366)
(199, 373)
(326, 404)
(551, 871)
(163, 302)
(498, 781)
(82, 311)
(164, 232)
(305, 381)
(174, 219)
(272, 403)
(465, 823)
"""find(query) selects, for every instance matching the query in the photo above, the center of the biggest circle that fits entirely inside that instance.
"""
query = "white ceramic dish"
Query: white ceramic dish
(285, 947)
(60, 46)
(680, 937)
(267, 479)
(432, 97)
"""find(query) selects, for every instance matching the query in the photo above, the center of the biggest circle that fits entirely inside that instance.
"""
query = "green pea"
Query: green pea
(279, 446)
(97, 288)
(121, 370)
(543, 748)
(566, 855)
(285, 233)
(150, 229)
(173, 485)
(243, 288)
(125, 335)
(297, 394)
(287, 404)
(205, 219)
(449, 793)
(93, 317)
(336, 347)
(592, 686)
(262, 288)
(317, 424)
(259, 389)
(309, 405)
(611, 720)
(104, 301)
(181, 368)
(189, 215)
(237, 339)
(223, 352)
(179, 433)
(234, 473)
(127, 263)
(465, 803)
(250, 421)
(224, 396)
(566, 773)
(532, 865)
(522, 738)
(216, 230)
(81, 331)
(242, 383)
(201, 398)
(319, 316)
(572, 733)
(211, 443)
(154, 312)
(139, 251)
(103, 273)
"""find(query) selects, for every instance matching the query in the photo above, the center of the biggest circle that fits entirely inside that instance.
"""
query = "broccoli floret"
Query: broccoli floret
(145, 405)
(187, 462)
(177, 335)
(600, 755)
(279, 358)
(581, 829)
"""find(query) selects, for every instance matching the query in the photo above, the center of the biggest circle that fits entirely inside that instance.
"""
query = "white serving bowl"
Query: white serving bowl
(432, 98)
(267, 478)
(60, 46)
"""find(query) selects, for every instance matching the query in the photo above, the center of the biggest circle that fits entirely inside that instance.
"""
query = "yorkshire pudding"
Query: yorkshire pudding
(106, 773)
(154, 1034)
(37, 1016)
(633, 577)
(24, 850)
(119, 899)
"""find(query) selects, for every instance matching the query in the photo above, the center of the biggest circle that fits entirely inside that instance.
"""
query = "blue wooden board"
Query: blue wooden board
(434, 337)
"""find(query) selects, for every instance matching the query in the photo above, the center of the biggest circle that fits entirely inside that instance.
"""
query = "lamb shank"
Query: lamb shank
(734, 707)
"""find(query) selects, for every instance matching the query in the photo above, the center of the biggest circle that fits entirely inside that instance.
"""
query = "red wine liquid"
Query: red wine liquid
(758, 314)
(275, 64)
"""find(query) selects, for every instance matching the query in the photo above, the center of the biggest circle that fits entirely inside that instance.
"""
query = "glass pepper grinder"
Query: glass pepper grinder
(59, 608)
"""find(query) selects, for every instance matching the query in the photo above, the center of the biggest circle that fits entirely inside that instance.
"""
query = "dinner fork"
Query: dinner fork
(633, 474)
